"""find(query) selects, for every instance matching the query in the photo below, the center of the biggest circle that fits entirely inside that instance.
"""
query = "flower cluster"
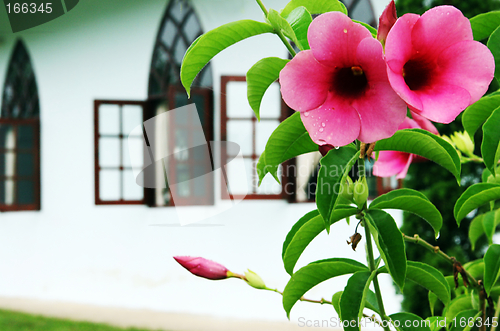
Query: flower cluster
(347, 88)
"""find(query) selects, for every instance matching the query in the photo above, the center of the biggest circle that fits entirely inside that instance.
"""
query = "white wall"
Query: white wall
(121, 256)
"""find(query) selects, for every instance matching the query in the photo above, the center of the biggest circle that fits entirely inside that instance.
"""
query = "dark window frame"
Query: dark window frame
(286, 182)
(121, 168)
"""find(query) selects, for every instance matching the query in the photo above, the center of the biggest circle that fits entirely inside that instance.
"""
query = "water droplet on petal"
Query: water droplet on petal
(447, 13)
(337, 147)
(345, 30)
(314, 124)
(323, 124)
(306, 114)
(321, 129)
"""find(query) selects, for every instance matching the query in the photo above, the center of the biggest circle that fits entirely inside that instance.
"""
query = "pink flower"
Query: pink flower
(435, 65)
(202, 267)
(386, 21)
(340, 86)
(392, 163)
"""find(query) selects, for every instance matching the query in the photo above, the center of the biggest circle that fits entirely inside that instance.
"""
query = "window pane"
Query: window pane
(109, 184)
(271, 102)
(25, 192)
(109, 152)
(109, 119)
(6, 136)
(135, 146)
(180, 50)
(7, 192)
(168, 33)
(241, 133)
(191, 27)
(200, 180)
(239, 176)
(132, 117)
(7, 162)
(263, 131)
(25, 164)
(25, 136)
(131, 190)
(237, 103)
(182, 180)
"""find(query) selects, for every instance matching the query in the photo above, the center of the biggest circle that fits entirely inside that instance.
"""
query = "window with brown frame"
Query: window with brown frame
(239, 125)
(115, 137)
(20, 136)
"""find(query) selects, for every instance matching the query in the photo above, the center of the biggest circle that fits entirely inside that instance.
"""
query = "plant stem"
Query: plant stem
(371, 260)
(278, 31)
(497, 314)
(322, 301)
(435, 249)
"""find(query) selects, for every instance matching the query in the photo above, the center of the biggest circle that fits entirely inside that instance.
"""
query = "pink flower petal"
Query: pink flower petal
(402, 173)
(390, 163)
(305, 82)
(423, 123)
(334, 123)
(334, 38)
(439, 28)
(468, 64)
(398, 44)
(442, 103)
(386, 21)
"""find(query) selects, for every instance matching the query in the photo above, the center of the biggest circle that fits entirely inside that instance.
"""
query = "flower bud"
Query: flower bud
(254, 280)
(347, 189)
(386, 21)
(463, 142)
(354, 240)
(202, 267)
(494, 179)
(360, 192)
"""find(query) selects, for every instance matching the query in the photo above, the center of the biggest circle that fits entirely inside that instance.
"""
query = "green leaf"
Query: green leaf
(314, 273)
(426, 144)
(370, 28)
(463, 318)
(412, 201)
(433, 299)
(484, 24)
(489, 225)
(409, 319)
(300, 236)
(476, 230)
(336, 302)
(475, 268)
(491, 267)
(300, 19)
(281, 24)
(437, 322)
(475, 196)
(211, 43)
(456, 306)
(371, 301)
(314, 6)
(288, 140)
(476, 114)
(493, 45)
(484, 176)
(333, 167)
(260, 76)
(390, 244)
(490, 148)
(430, 278)
(352, 300)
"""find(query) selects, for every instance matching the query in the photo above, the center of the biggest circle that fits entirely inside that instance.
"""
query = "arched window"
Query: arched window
(20, 135)
(179, 28)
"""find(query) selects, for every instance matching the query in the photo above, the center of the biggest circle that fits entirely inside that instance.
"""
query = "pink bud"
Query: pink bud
(202, 267)
(386, 21)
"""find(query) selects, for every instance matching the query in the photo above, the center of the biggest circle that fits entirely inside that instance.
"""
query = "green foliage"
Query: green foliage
(490, 148)
(260, 76)
(352, 300)
(491, 267)
(430, 278)
(299, 20)
(314, 273)
(484, 24)
(288, 140)
(474, 197)
(476, 114)
(426, 144)
(412, 201)
(409, 318)
(211, 43)
(314, 6)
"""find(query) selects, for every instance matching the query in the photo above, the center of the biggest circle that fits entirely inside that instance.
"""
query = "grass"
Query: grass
(14, 321)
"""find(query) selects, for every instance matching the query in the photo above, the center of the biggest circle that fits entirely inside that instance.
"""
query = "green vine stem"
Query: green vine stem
(435, 249)
(369, 248)
(278, 32)
(497, 315)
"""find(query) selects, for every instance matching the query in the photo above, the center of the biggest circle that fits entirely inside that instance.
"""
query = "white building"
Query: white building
(77, 228)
